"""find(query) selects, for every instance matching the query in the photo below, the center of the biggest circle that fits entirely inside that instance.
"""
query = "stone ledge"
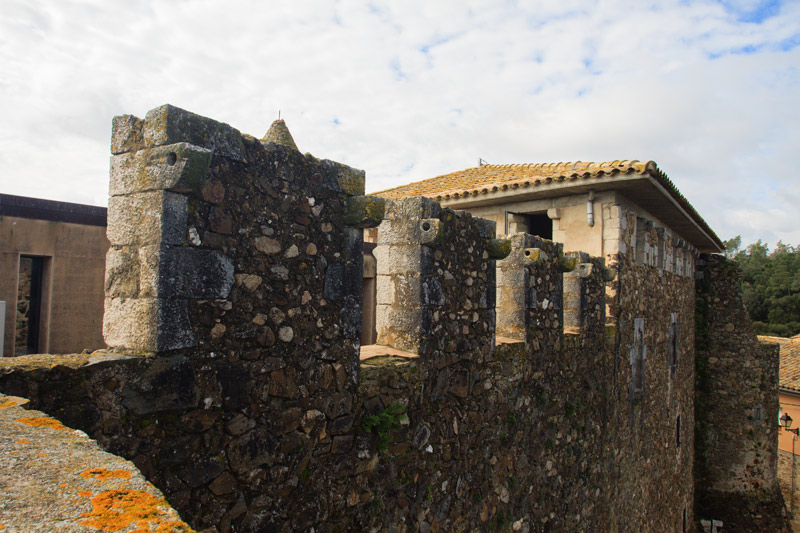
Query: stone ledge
(27, 363)
(54, 478)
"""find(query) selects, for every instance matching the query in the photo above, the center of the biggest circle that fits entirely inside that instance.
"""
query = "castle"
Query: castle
(539, 390)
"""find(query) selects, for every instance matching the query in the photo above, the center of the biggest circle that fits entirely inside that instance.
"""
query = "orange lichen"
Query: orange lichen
(23, 441)
(43, 422)
(8, 403)
(86, 493)
(174, 526)
(114, 510)
(103, 474)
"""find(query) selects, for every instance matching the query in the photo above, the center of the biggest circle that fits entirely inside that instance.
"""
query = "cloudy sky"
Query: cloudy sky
(409, 90)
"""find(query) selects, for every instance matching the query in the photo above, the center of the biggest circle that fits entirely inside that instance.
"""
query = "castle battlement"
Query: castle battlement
(233, 377)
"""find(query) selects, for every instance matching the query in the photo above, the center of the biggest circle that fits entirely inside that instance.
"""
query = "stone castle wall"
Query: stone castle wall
(652, 401)
(737, 453)
(234, 384)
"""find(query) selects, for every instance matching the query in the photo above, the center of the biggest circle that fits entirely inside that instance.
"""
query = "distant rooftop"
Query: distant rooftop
(39, 209)
(790, 361)
(642, 181)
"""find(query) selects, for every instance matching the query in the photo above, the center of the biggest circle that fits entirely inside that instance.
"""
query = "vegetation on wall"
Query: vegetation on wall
(770, 285)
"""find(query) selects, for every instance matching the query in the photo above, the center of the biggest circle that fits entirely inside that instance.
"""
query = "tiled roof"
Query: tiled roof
(492, 178)
(776, 340)
(790, 361)
(488, 179)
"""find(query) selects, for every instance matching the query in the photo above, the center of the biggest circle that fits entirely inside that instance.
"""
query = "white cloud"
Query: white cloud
(414, 89)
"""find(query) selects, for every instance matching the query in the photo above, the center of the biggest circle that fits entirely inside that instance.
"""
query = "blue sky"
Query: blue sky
(410, 90)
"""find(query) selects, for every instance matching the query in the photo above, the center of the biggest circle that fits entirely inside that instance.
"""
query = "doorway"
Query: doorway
(29, 305)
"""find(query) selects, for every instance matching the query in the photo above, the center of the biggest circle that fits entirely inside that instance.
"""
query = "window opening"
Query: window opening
(678, 431)
(638, 357)
(641, 254)
(539, 224)
(29, 305)
(673, 344)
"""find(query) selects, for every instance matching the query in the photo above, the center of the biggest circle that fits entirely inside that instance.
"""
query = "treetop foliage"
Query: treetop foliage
(770, 285)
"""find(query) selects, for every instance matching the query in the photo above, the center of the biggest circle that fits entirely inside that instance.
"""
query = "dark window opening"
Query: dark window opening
(678, 431)
(539, 224)
(29, 305)
(684, 520)
(638, 357)
(673, 345)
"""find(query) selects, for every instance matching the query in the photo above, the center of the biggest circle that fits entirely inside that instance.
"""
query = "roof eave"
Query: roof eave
(713, 240)
(683, 221)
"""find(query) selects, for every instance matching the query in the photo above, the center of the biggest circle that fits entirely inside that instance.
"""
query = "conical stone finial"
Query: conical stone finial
(279, 134)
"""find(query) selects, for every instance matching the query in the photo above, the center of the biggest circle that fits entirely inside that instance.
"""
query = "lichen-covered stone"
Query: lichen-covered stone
(147, 218)
(169, 125)
(126, 134)
(278, 133)
(79, 487)
(179, 167)
(499, 248)
(364, 211)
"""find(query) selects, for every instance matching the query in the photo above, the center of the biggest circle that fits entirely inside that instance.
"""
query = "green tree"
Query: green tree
(770, 285)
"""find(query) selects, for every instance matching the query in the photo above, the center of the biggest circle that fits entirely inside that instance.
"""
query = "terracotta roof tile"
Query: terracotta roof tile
(775, 340)
(491, 178)
(487, 179)
(790, 361)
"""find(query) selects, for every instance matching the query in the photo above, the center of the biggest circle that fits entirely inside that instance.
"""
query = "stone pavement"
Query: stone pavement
(53, 478)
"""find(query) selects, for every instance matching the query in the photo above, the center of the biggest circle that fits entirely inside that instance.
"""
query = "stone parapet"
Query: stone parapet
(435, 282)
(234, 384)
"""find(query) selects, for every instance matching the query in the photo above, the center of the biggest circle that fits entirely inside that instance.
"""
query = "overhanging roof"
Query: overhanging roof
(39, 209)
(643, 182)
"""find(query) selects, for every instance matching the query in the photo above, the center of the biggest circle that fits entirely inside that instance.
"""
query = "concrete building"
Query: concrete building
(567, 202)
(52, 260)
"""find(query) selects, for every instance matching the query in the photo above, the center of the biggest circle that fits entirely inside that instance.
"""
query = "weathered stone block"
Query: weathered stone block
(165, 383)
(178, 167)
(147, 324)
(498, 248)
(193, 273)
(130, 323)
(122, 272)
(169, 125)
(364, 211)
(431, 291)
(412, 208)
(486, 228)
(398, 327)
(126, 134)
(334, 282)
(254, 448)
(147, 218)
(398, 258)
(384, 293)
(430, 230)
(407, 289)
(342, 178)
